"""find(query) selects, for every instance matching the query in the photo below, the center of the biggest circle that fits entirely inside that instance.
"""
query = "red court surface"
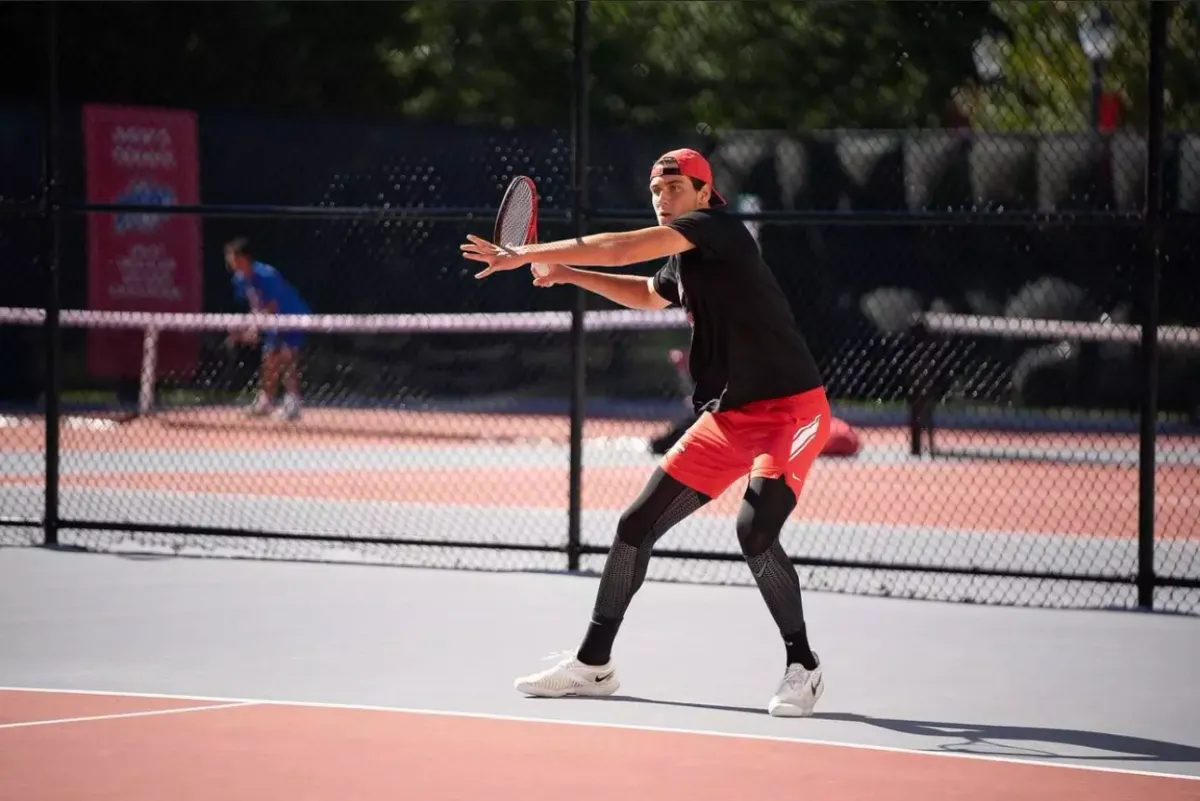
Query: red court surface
(988, 494)
(1043, 499)
(230, 429)
(82, 747)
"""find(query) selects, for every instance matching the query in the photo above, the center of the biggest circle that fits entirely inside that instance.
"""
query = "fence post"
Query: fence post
(51, 209)
(1155, 136)
(579, 168)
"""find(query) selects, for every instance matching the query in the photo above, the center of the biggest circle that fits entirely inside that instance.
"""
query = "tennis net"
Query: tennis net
(190, 360)
(1004, 387)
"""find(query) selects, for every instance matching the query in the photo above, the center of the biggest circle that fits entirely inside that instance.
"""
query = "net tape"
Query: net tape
(558, 322)
(474, 322)
(1028, 328)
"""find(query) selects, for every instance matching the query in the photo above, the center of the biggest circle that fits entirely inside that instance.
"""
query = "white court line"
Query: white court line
(117, 715)
(232, 702)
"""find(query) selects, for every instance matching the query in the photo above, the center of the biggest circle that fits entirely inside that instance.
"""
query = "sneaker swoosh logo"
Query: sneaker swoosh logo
(605, 677)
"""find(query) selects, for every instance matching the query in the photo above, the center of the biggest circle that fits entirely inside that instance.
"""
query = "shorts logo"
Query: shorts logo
(802, 439)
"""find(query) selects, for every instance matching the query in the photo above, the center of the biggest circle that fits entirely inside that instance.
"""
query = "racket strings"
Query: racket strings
(516, 215)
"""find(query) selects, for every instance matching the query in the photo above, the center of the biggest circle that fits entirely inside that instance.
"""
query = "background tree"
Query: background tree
(1045, 81)
(775, 64)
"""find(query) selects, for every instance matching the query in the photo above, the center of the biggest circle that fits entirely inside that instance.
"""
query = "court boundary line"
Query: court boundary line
(231, 702)
(25, 724)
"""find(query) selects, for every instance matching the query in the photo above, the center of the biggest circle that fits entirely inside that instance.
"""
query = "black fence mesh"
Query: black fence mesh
(908, 169)
(1177, 448)
(1023, 206)
(22, 441)
(399, 436)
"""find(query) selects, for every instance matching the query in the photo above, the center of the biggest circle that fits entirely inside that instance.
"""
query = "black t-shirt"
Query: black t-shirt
(745, 342)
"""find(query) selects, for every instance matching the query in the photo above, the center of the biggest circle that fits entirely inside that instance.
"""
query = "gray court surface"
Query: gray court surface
(1098, 688)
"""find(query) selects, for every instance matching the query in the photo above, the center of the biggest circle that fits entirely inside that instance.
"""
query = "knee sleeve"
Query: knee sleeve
(663, 503)
(765, 509)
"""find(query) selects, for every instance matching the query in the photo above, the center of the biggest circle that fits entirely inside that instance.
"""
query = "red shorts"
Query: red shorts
(768, 439)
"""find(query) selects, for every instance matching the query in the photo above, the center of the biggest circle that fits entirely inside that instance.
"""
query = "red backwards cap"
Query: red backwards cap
(690, 164)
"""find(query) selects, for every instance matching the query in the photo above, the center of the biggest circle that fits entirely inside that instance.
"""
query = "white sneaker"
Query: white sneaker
(798, 692)
(260, 408)
(290, 410)
(569, 676)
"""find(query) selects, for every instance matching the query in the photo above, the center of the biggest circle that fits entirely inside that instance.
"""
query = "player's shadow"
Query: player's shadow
(981, 738)
(976, 738)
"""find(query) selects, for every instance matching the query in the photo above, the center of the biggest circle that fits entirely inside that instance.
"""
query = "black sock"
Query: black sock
(798, 650)
(598, 642)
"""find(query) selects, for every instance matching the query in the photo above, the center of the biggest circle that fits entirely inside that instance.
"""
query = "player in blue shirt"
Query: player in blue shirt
(268, 292)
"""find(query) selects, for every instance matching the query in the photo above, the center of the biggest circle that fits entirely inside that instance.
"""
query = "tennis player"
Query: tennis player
(759, 396)
(268, 292)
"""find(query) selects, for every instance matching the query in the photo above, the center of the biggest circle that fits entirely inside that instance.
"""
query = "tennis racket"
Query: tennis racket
(517, 219)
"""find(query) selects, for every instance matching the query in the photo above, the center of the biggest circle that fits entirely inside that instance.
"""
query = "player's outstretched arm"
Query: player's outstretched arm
(630, 291)
(595, 250)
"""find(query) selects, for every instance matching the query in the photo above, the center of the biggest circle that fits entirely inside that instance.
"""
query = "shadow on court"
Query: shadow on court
(976, 738)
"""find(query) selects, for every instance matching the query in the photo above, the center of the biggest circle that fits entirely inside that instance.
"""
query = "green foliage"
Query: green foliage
(714, 64)
(485, 62)
(709, 64)
(1047, 76)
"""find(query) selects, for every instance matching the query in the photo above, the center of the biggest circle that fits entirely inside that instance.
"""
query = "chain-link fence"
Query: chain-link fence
(968, 205)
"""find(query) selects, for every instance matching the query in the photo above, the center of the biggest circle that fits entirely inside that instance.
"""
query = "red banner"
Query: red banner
(142, 262)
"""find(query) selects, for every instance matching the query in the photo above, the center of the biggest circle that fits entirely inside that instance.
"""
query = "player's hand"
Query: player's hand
(549, 274)
(496, 259)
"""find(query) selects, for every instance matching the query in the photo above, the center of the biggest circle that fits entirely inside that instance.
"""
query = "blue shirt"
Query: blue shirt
(269, 285)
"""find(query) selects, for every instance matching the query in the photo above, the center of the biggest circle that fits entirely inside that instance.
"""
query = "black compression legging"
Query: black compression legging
(663, 503)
